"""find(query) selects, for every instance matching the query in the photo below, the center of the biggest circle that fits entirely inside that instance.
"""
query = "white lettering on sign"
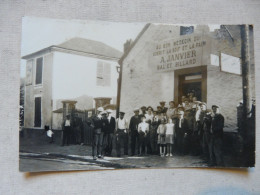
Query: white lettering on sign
(186, 51)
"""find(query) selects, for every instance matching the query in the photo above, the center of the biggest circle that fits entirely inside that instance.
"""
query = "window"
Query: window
(38, 77)
(103, 74)
(230, 64)
(37, 112)
(185, 30)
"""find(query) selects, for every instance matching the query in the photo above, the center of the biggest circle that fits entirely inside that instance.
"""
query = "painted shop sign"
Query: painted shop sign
(185, 52)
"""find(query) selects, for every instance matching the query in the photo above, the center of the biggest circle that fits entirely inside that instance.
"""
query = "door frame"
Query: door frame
(186, 71)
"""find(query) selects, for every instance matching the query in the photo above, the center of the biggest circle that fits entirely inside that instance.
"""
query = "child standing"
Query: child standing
(49, 133)
(170, 130)
(161, 137)
(143, 129)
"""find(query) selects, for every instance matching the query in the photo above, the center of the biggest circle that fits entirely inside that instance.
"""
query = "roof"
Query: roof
(227, 39)
(81, 46)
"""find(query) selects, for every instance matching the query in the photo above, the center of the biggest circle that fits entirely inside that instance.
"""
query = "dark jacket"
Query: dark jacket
(184, 127)
(111, 125)
(217, 125)
(97, 122)
(104, 127)
(206, 123)
(164, 110)
(134, 122)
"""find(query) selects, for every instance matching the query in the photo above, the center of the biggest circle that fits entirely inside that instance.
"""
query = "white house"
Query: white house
(73, 70)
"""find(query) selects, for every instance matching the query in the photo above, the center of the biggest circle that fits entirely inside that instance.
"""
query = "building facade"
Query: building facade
(165, 62)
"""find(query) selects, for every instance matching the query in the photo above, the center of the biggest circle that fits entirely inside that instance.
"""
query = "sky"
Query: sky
(39, 33)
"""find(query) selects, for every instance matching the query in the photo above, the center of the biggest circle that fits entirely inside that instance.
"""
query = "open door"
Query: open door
(190, 80)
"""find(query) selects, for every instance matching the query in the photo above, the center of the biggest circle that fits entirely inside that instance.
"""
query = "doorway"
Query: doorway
(190, 80)
(191, 87)
(37, 112)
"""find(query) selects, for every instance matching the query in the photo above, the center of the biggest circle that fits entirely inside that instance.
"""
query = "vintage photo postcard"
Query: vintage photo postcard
(107, 95)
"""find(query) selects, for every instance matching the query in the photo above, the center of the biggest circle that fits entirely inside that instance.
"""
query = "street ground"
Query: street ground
(53, 157)
(39, 155)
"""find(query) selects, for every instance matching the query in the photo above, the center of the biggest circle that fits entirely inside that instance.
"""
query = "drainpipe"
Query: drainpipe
(119, 81)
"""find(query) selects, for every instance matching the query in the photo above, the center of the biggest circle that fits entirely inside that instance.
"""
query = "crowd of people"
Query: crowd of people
(187, 128)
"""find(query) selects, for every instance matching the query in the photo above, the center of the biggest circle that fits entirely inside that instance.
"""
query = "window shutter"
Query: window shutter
(107, 74)
(39, 71)
(100, 74)
(29, 74)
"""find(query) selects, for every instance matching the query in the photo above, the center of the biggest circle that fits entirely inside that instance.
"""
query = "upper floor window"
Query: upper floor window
(185, 30)
(39, 65)
(103, 74)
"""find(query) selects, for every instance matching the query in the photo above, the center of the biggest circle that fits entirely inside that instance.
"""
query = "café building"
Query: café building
(165, 62)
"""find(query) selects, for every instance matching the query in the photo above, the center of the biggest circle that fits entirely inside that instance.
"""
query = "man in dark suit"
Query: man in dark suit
(181, 131)
(97, 141)
(216, 130)
(133, 127)
(143, 112)
(66, 129)
(164, 109)
(108, 136)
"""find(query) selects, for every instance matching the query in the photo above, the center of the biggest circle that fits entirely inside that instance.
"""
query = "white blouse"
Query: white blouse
(169, 128)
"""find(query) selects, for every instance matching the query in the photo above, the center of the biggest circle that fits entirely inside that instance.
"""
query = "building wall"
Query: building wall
(74, 76)
(140, 85)
(225, 90)
(44, 91)
(57, 121)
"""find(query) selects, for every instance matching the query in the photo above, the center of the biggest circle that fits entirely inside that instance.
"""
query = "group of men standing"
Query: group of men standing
(72, 130)
(197, 130)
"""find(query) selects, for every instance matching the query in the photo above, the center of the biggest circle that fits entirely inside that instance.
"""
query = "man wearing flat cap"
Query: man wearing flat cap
(133, 128)
(181, 132)
(159, 110)
(121, 134)
(216, 130)
(204, 122)
(194, 137)
(143, 112)
(104, 132)
(97, 141)
(66, 128)
(108, 136)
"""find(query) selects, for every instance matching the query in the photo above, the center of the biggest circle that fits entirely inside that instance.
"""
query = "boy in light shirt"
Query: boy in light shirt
(143, 129)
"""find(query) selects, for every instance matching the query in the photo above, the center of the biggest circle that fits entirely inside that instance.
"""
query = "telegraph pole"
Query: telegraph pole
(247, 130)
(245, 77)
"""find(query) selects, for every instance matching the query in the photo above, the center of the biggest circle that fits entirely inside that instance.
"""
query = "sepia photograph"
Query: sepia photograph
(98, 95)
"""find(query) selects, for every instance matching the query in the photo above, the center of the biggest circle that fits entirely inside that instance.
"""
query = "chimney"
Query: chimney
(127, 45)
